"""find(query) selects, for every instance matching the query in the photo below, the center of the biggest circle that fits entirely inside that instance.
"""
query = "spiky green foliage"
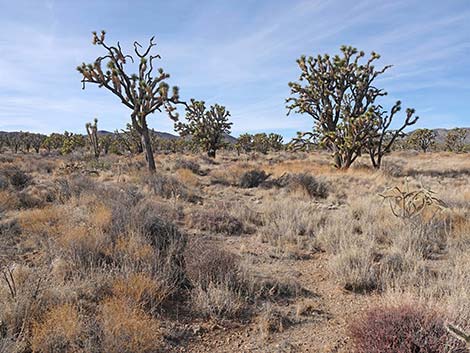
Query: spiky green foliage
(105, 143)
(304, 141)
(71, 142)
(422, 139)
(381, 140)
(339, 94)
(141, 92)
(53, 142)
(261, 143)
(275, 142)
(244, 143)
(92, 132)
(206, 127)
(455, 140)
(129, 140)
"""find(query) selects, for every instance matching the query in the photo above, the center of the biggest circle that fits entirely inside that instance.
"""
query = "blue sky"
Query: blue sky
(237, 53)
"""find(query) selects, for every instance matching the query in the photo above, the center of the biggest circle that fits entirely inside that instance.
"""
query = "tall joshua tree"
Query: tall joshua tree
(92, 132)
(206, 127)
(143, 92)
(340, 94)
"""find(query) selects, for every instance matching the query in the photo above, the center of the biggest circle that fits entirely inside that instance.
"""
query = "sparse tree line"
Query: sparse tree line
(127, 141)
(338, 93)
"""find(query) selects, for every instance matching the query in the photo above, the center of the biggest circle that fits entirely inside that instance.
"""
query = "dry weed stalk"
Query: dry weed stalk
(408, 204)
(10, 280)
(459, 334)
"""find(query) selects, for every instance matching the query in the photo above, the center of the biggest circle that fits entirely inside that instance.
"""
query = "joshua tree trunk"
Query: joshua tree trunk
(376, 162)
(147, 147)
(211, 153)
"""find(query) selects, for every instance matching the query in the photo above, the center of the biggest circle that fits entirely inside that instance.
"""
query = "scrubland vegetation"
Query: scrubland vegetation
(265, 253)
(352, 237)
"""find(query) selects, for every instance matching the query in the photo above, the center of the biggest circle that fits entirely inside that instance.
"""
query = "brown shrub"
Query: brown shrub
(354, 269)
(188, 164)
(17, 178)
(22, 300)
(216, 220)
(37, 195)
(168, 187)
(61, 330)
(187, 177)
(8, 201)
(217, 301)
(307, 184)
(139, 289)
(407, 328)
(206, 263)
(127, 328)
(290, 222)
(216, 280)
(46, 221)
(272, 320)
(252, 178)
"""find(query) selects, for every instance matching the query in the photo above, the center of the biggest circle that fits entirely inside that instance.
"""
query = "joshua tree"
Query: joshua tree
(339, 94)
(275, 142)
(423, 139)
(455, 139)
(92, 132)
(53, 142)
(206, 127)
(381, 140)
(106, 141)
(25, 141)
(261, 143)
(37, 141)
(130, 139)
(14, 141)
(244, 143)
(71, 142)
(141, 92)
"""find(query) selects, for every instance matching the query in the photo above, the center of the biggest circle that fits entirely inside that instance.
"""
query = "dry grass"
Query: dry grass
(124, 262)
(128, 329)
(62, 330)
(272, 320)
(187, 177)
(142, 290)
(8, 201)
